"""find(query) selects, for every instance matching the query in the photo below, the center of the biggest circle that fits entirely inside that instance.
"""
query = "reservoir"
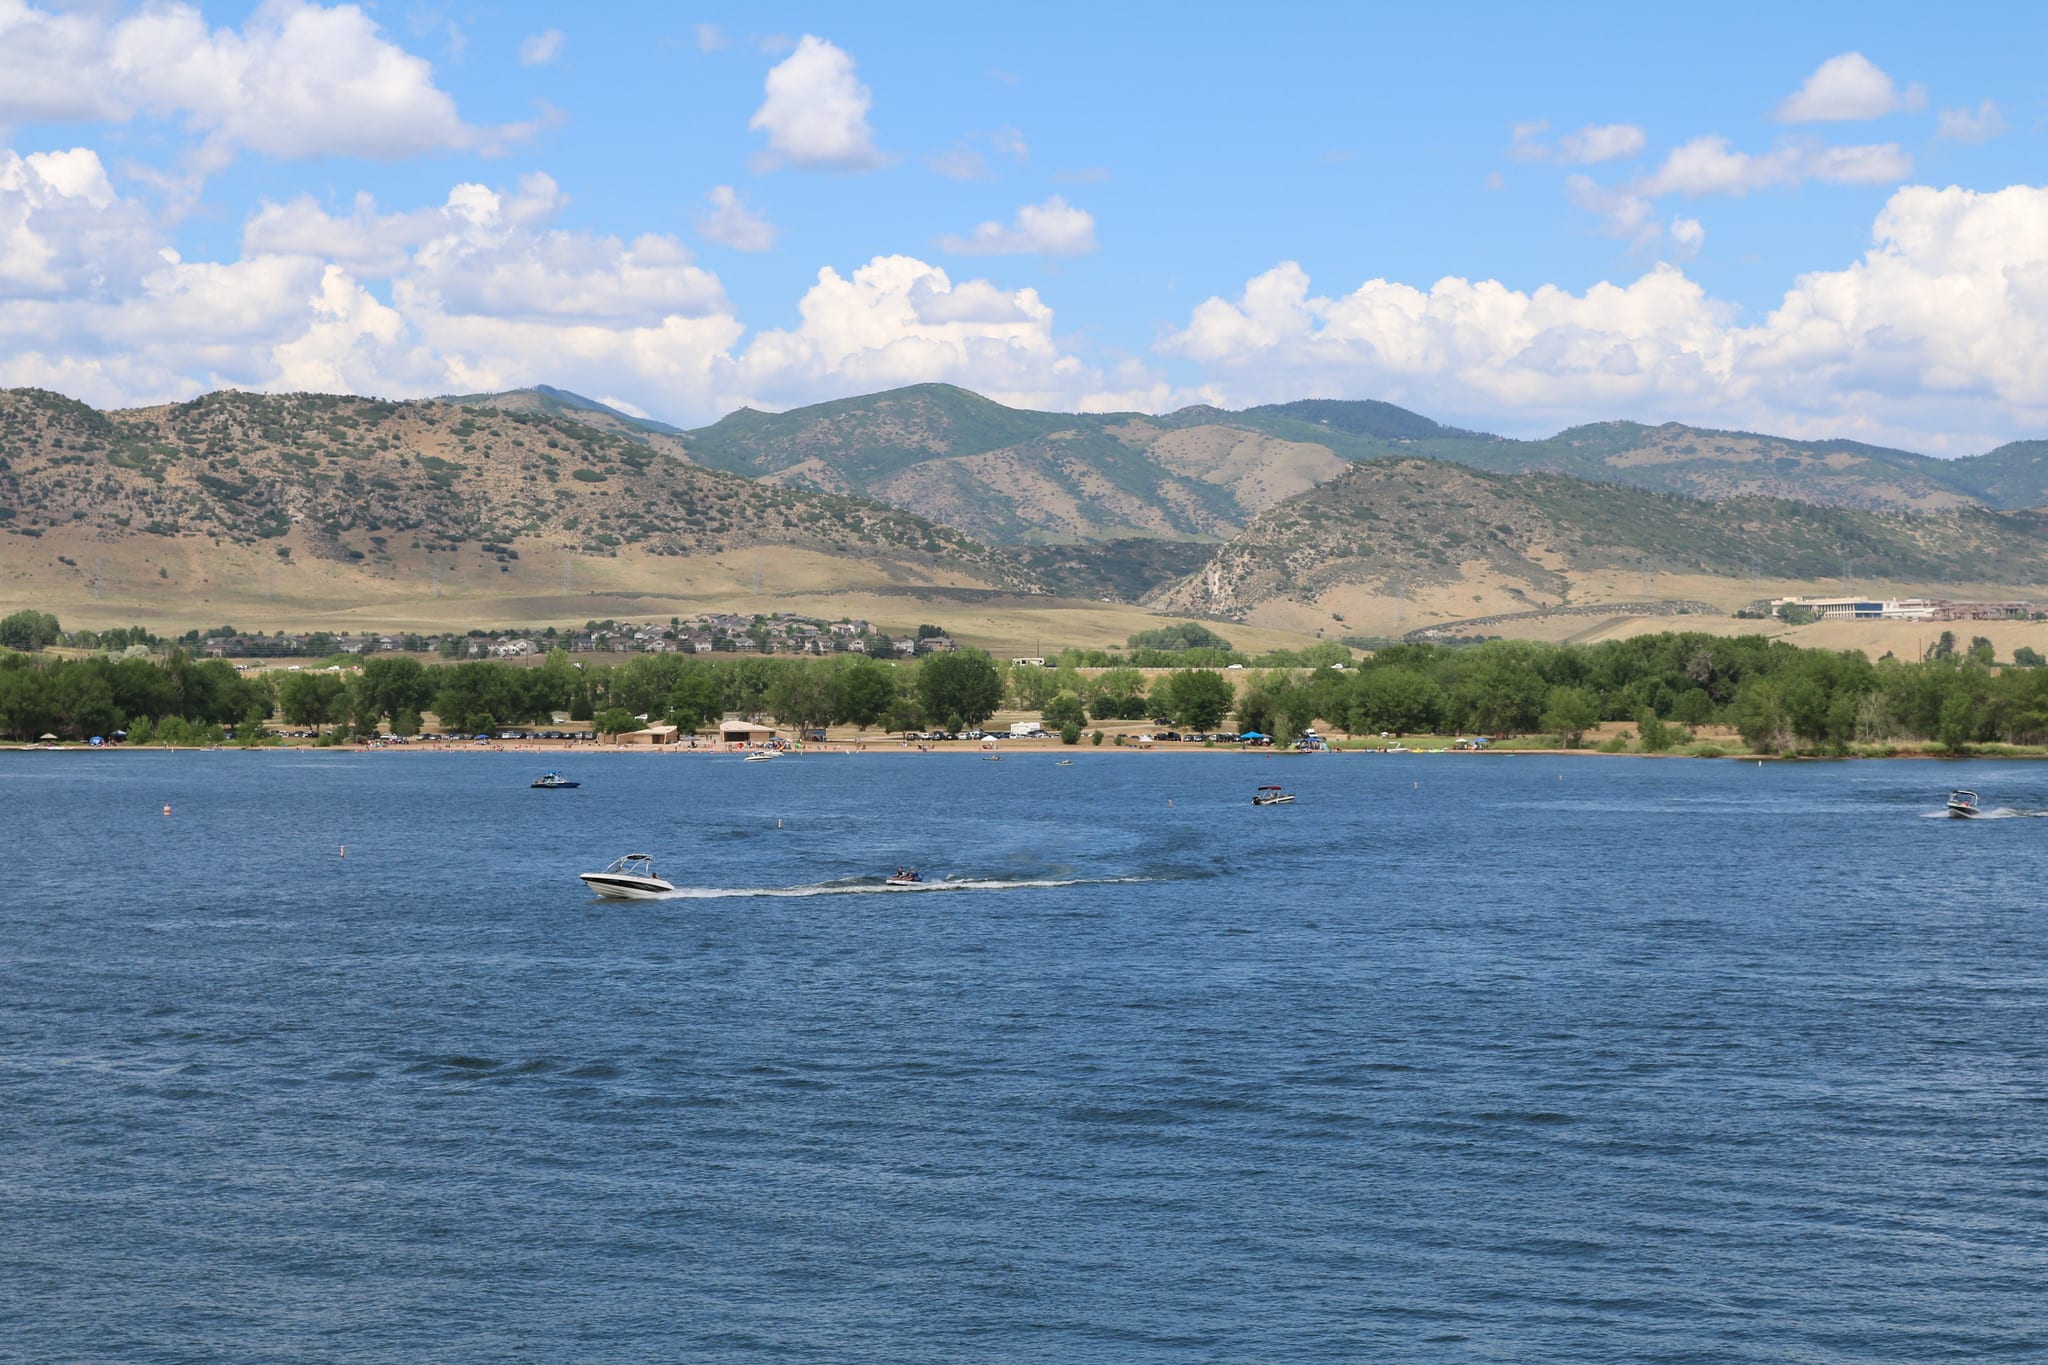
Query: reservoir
(1456, 1057)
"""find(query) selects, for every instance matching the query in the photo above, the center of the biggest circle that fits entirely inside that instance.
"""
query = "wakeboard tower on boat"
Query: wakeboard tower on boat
(631, 878)
(1963, 805)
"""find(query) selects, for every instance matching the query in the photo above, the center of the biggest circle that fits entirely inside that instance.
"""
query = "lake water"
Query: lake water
(1460, 1058)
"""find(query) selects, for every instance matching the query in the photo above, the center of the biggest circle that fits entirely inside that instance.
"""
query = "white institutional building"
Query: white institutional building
(1906, 609)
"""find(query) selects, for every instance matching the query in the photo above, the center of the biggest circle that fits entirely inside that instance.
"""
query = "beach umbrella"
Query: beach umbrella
(47, 735)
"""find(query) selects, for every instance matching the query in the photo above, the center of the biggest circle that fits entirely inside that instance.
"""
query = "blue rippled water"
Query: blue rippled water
(1458, 1058)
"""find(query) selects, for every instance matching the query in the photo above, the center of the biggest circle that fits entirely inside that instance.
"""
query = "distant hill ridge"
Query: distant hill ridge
(389, 483)
(1399, 527)
(1011, 475)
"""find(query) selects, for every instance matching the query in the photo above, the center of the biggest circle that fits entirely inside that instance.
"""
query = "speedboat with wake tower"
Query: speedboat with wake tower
(631, 878)
(1963, 804)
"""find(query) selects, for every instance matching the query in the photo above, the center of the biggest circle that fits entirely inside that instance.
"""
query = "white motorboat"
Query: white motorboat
(905, 876)
(1272, 796)
(631, 878)
(762, 756)
(1963, 805)
(552, 782)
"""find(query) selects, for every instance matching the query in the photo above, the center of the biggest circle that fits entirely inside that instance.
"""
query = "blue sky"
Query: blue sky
(1816, 220)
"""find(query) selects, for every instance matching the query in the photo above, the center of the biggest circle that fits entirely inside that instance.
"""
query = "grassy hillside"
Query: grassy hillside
(392, 485)
(1403, 526)
(2014, 475)
(1119, 570)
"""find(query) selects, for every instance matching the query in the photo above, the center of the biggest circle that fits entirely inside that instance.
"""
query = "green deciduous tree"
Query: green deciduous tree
(390, 686)
(863, 691)
(802, 697)
(1569, 712)
(965, 685)
(29, 630)
(1198, 698)
(1760, 716)
(313, 699)
(1398, 700)
(696, 699)
(1062, 711)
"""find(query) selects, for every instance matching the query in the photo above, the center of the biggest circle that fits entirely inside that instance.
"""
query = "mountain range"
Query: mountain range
(1294, 513)
(1008, 475)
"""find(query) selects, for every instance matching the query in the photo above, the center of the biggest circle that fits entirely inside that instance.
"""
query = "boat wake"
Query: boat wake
(875, 888)
(1995, 813)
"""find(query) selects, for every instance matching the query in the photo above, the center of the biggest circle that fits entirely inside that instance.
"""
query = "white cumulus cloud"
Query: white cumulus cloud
(1588, 146)
(1601, 142)
(1981, 124)
(63, 231)
(899, 320)
(1708, 165)
(484, 290)
(1847, 88)
(53, 68)
(541, 48)
(1936, 338)
(816, 110)
(1053, 228)
(731, 223)
(296, 80)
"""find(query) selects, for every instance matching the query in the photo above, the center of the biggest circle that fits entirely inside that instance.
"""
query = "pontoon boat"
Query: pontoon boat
(1271, 796)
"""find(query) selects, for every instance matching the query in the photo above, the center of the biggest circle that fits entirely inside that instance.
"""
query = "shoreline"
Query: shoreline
(838, 749)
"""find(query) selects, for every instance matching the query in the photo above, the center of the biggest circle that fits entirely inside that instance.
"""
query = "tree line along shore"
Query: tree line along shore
(1676, 692)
